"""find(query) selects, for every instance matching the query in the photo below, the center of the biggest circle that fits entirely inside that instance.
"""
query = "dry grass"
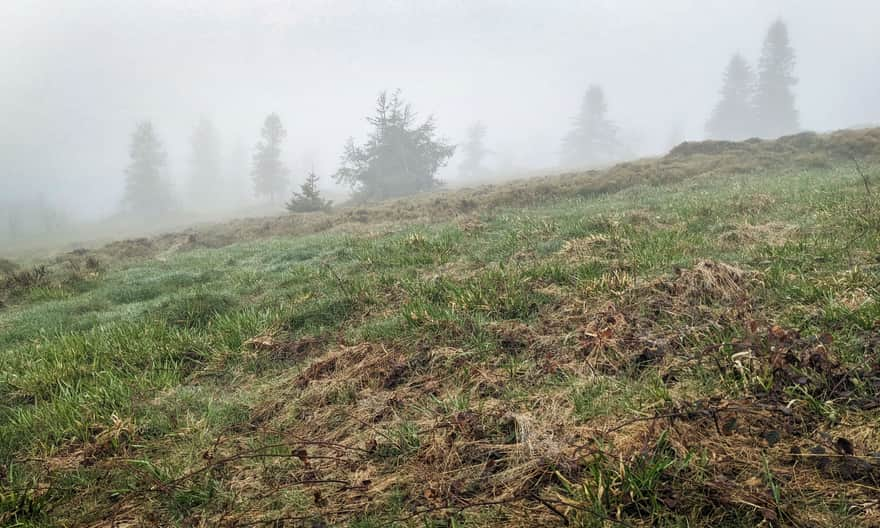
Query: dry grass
(357, 425)
(687, 161)
(601, 373)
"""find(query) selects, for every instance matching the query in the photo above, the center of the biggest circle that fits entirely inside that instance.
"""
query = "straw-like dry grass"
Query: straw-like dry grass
(600, 349)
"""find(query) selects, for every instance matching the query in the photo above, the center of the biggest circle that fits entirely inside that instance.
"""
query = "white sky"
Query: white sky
(75, 75)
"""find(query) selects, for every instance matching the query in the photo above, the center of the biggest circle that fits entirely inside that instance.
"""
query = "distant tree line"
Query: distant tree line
(22, 220)
(402, 154)
(762, 105)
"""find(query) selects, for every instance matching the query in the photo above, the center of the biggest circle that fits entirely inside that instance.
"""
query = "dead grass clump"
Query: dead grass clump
(863, 144)
(615, 340)
(772, 234)
(279, 348)
(642, 218)
(755, 203)
(24, 280)
(316, 371)
(360, 367)
(132, 248)
(7, 267)
(596, 247)
(766, 460)
(106, 441)
(616, 281)
(708, 280)
(357, 452)
(113, 439)
(709, 147)
(471, 225)
(19, 282)
(786, 364)
(640, 328)
(492, 456)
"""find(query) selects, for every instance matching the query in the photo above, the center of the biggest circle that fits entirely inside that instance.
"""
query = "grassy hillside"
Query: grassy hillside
(699, 348)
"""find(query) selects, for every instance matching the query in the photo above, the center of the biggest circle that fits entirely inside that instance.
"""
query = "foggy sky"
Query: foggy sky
(76, 75)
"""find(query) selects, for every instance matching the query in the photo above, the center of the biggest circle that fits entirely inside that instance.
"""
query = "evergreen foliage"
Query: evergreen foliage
(205, 178)
(593, 138)
(309, 198)
(145, 192)
(774, 100)
(268, 171)
(400, 156)
(734, 116)
(474, 151)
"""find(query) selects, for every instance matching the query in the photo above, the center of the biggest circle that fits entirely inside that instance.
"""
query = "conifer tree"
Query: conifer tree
(269, 172)
(474, 152)
(399, 158)
(593, 138)
(205, 178)
(309, 198)
(775, 107)
(734, 116)
(145, 192)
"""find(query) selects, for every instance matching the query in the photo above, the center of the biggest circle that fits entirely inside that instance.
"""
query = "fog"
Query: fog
(76, 76)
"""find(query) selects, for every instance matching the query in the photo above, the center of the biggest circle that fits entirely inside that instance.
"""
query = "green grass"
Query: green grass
(162, 343)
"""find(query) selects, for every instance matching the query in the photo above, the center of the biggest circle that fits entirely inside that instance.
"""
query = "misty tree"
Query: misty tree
(474, 152)
(145, 192)
(734, 116)
(268, 172)
(593, 138)
(204, 182)
(774, 100)
(309, 198)
(400, 156)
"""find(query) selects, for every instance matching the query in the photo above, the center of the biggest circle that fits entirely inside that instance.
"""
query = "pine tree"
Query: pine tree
(268, 172)
(474, 152)
(205, 178)
(734, 116)
(774, 101)
(145, 192)
(593, 139)
(309, 198)
(399, 158)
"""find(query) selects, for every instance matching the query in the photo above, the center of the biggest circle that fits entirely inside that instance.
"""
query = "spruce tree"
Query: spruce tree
(774, 101)
(309, 198)
(205, 177)
(145, 192)
(268, 172)
(474, 152)
(734, 116)
(399, 158)
(593, 138)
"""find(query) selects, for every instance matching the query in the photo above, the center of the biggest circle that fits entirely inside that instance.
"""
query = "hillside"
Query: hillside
(690, 340)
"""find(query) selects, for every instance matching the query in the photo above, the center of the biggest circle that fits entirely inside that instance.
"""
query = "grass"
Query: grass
(587, 359)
